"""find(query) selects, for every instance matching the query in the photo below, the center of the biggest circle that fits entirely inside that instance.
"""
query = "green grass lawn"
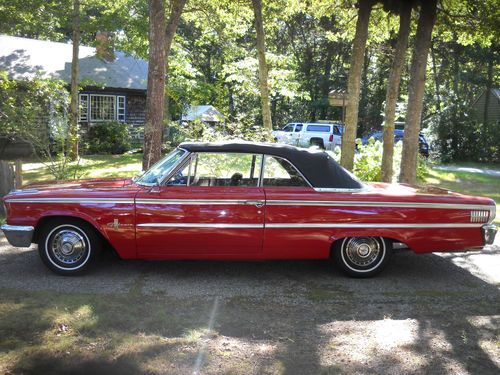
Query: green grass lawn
(468, 182)
(93, 166)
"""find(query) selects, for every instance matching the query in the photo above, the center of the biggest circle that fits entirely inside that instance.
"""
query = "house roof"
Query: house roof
(206, 113)
(26, 58)
(317, 166)
(496, 91)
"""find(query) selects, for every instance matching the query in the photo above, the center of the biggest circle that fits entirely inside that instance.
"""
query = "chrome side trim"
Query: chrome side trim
(307, 225)
(199, 225)
(379, 204)
(343, 190)
(73, 200)
(370, 225)
(193, 201)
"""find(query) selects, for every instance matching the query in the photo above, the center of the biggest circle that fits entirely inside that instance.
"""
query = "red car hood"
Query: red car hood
(96, 183)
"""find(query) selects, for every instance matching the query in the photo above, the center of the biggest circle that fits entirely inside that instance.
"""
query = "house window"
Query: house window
(102, 107)
(99, 107)
(120, 108)
(84, 108)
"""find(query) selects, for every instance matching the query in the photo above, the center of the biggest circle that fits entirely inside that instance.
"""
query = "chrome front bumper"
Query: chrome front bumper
(18, 235)
(489, 231)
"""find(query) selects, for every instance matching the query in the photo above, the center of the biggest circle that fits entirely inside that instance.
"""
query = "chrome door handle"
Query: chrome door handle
(257, 204)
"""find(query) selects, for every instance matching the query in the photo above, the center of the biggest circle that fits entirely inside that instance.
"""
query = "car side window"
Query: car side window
(288, 128)
(219, 169)
(298, 128)
(336, 130)
(279, 172)
(318, 128)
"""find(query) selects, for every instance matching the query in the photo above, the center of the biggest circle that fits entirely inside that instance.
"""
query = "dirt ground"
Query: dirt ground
(426, 314)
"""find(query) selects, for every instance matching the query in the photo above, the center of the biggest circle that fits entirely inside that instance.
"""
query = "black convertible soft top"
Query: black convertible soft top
(317, 166)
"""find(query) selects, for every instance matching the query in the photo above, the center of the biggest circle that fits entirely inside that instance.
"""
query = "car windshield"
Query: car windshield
(160, 169)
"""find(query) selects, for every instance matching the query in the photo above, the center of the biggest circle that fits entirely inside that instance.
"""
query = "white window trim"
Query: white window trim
(121, 117)
(82, 118)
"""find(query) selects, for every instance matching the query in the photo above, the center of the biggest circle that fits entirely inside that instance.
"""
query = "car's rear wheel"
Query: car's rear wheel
(67, 246)
(361, 256)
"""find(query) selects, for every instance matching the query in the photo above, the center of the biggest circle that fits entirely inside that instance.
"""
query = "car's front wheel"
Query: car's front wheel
(361, 256)
(67, 247)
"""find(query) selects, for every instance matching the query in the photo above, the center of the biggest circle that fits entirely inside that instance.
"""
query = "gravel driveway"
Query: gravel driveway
(424, 314)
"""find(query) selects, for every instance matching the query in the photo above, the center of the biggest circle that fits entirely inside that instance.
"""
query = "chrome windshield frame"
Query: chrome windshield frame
(168, 174)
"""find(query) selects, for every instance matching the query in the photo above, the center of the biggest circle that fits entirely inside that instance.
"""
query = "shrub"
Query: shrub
(108, 138)
(368, 161)
(460, 136)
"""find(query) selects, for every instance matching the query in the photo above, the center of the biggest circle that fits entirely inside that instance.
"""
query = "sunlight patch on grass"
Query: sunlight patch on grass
(94, 166)
(468, 183)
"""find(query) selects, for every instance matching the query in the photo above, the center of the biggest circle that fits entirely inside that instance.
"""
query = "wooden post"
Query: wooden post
(18, 170)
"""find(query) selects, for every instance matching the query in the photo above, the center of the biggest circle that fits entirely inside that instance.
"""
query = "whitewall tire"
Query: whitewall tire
(68, 246)
(361, 256)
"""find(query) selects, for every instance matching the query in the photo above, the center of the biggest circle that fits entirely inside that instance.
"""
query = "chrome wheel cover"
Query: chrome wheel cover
(362, 251)
(67, 246)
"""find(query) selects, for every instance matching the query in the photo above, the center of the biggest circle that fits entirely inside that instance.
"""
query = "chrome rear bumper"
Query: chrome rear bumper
(489, 232)
(18, 235)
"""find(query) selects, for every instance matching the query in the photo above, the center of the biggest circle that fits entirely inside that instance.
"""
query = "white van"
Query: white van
(321, 134)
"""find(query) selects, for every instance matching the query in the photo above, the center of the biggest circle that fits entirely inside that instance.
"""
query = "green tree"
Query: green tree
(263, 68)
(353, 84)
(73, 108)
(427, 17)
(404, 10)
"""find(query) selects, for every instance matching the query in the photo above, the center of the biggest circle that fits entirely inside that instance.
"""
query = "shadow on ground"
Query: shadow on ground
(424, 314)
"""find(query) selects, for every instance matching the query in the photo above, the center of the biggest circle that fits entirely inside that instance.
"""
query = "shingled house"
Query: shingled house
(493, 108)
(114, 83)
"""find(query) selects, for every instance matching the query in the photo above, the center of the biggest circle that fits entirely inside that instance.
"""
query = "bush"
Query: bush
(108, 138)
(368, 161)
(462, 137)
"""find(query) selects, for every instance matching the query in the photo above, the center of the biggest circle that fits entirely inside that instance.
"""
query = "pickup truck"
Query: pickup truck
(323, 135)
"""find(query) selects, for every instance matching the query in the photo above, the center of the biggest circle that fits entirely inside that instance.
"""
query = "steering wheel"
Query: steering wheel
(178, 179)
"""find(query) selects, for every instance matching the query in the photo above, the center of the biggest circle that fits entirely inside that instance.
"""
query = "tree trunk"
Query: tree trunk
(230, 98)
(392, 95)
(6, 181)
(171, 29)
(261, 49)
(416, 91)
(155, 100)
(73, 108)
(353, 83)
(325, 84)
(489, 84)
(436, 78)
(18, 172)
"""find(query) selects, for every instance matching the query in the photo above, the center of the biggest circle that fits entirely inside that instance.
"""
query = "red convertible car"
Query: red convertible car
(242, 200)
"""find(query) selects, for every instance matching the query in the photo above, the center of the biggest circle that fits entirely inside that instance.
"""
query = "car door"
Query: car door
(211, 207)
(285, 236)
(294, 137)
(337, 136)
(288, 134)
